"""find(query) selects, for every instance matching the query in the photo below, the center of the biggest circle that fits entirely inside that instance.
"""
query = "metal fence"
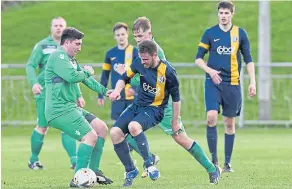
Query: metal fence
(18, 107)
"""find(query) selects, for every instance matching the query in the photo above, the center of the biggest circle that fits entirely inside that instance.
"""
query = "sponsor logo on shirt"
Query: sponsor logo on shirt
(222, 50)
(148, 88)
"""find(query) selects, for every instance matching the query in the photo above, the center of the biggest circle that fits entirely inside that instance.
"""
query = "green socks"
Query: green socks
(96, 154)
(197, 152)
(84, 154)
(36, 145)
(69, 144)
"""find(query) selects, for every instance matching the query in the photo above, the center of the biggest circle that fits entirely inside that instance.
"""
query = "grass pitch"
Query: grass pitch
(261, 159)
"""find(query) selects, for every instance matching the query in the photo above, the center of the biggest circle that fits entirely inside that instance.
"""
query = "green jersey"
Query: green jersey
(62, 75)
(39, 58)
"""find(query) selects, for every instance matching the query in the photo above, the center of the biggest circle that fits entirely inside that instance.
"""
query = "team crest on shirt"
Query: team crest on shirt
(62, 56)
(161, 79)
(129, 56)
(73, 64)
(234, 38)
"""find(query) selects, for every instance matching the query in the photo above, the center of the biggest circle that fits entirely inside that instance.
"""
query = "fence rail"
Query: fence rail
(18, 107)
(176, 65)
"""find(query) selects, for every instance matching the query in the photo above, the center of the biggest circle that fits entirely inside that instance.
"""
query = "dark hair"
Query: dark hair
(71, 34)
(226, 5)
(142, 23)
(120, 25)
(147, 46)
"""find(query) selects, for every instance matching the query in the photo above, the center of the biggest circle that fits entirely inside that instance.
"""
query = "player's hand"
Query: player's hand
(175, 127)
(100, 101)
(131, 92)
(81, 102)
(114, 96)
(89, 68)
(37, 89)
(252, 89)
(121, 69)
(109, 92)
(214, 74)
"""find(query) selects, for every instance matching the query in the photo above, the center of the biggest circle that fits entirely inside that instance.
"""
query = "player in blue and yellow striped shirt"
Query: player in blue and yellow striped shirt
(123, 53)
(224, 42)
(158, 81)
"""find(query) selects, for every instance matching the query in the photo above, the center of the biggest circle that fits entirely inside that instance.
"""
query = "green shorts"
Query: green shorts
(40, 110)
(74, 123)
(87, 115)
(166, 122)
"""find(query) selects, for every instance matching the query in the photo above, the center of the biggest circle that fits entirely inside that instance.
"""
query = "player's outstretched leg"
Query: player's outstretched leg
(136, 131)
(84, 152)
(101, 129)
(37, 139)
(69, 145)
(74, 124)
(197, 152)
(123, 152)
(229, 142)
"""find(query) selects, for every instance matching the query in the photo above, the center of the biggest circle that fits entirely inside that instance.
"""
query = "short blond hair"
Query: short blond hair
(142, 23)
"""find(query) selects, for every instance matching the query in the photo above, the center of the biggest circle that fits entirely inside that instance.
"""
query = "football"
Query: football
(85, 178)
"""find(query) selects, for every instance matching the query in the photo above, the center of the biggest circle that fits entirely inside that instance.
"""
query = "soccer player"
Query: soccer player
(142, 31)
(159, 81)
(62, 74)
(38, 58)
(224, 41)
(124, 53)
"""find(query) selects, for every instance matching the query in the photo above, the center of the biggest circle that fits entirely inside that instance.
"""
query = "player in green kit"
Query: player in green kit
(142, 31)
(38, 58)
(62, 75)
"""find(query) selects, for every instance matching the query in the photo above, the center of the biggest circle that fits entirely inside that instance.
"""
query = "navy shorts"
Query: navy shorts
(118, 107)
(147, 117)
(224, 94)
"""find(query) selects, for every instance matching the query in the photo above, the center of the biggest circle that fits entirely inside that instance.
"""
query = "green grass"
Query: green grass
(261, 159)
(177, 26)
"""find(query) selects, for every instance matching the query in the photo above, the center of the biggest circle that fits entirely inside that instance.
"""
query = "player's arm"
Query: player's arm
(173, 88)
(204, 47)
(78, 90)
(92, 84)
(33, 61)
(106, 69)
(245, 51)
(124, 79)
(135, 81)
(63, 68)
(95, 86)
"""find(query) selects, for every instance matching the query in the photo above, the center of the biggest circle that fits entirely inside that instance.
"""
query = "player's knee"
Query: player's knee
(183, 140)
(90, 138)
(100, 127)
(135, 128)
(116, 133)
(42, 130)
(212, 118)
(229, 126)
